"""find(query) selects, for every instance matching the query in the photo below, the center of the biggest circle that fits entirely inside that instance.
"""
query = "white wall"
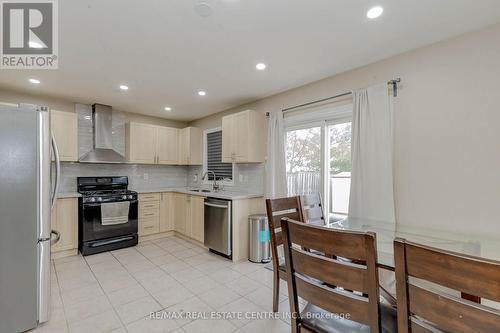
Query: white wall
(447, 129)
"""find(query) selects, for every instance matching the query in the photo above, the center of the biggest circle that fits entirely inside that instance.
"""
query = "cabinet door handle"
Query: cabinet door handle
(149, 214)
(149, 227)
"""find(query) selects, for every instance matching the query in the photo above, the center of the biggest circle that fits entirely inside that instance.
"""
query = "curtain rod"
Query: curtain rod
(394, 84)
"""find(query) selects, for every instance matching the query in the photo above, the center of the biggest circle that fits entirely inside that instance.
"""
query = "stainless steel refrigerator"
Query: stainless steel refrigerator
(27, 192)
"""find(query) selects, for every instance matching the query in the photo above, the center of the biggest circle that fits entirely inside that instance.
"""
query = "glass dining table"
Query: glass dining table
(482, 246)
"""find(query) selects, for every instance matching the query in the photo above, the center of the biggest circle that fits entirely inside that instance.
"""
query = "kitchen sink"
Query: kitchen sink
(199, 190)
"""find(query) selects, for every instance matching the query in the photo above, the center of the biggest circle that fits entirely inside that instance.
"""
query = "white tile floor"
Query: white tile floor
(116, 291)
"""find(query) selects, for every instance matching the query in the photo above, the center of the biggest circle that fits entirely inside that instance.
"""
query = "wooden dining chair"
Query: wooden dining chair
(425, 307)
(312, 209)
(312, 276)
(276, 210)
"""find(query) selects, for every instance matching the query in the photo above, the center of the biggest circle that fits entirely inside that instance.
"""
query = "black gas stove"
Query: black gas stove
(108, 196)
(107, 214)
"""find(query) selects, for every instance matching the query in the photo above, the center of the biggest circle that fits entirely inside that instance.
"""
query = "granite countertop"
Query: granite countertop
(224, 194)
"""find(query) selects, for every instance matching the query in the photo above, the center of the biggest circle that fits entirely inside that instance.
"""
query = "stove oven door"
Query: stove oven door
(93, 229)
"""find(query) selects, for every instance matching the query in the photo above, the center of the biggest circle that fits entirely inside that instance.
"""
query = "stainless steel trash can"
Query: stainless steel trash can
(260, 239)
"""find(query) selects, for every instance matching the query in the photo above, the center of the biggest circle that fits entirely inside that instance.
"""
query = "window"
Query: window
(213, 157)
(318, 156)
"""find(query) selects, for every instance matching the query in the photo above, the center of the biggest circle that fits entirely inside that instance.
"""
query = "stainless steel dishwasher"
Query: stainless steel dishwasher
(218, 226)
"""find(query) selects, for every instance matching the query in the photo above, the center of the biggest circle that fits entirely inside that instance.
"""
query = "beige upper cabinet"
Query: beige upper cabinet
(190, 146)
(141, 143)
(64, 126)
(167, 145)
(244, 137)
(150, 144)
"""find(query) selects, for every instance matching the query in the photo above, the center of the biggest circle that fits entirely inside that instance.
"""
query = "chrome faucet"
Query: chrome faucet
(215, 185)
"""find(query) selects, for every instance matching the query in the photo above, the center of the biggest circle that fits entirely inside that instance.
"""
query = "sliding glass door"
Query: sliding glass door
(319, 160)
(303, 160)
(339, 168)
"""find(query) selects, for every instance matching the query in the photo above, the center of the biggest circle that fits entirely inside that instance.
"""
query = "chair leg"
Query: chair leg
(276, 292)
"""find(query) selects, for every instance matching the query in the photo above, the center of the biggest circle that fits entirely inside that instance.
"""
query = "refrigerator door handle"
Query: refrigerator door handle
(58, 170)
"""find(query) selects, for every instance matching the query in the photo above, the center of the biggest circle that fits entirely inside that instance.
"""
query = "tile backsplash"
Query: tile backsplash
(139, 176)
(248, 178)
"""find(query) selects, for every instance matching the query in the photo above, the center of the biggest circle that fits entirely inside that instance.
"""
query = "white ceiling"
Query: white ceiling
(164, 51)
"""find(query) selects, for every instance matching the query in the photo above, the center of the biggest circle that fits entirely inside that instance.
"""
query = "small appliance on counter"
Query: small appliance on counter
(107, 214)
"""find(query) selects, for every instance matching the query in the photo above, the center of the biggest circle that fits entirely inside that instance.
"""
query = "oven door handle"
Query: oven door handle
(100, 203)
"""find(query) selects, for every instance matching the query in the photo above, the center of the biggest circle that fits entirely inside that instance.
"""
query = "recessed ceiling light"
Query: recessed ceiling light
(123, 87)
(202, 92)
(260, 66)
(374, 12)
(35, 45)
(34, 81)
(167, 108)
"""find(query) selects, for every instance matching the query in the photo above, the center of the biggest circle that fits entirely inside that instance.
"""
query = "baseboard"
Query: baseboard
(156, 236)
(193, 241)
(64, 254)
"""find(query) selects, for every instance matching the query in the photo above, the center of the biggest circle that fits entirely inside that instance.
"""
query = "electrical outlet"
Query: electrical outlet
(195, 178)
(146, 176)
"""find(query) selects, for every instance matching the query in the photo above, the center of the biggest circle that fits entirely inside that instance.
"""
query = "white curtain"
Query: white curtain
(372, 192)
(275, 173)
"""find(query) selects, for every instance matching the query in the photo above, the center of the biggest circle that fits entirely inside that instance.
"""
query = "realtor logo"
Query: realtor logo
(29, 34)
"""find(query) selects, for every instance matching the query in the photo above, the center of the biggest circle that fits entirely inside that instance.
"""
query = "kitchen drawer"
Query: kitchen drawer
(148, 226)
(149, 205)
(149, 213)
(149, 197)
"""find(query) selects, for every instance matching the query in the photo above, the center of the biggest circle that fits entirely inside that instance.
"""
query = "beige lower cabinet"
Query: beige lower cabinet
(167, 206)
(65, 221)
(163, 212)
(197, 217)
(149, 214)
(180, 204)
(189, 215)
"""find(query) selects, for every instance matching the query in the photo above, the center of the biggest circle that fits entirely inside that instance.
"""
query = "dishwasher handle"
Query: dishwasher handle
(216, 206)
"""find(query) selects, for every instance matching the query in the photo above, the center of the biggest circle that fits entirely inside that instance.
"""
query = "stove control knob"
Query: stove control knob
(130, 196)
(99, 199)
(124, 197)
(92, 199)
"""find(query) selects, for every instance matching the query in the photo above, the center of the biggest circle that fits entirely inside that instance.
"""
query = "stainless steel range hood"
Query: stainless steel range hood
(102, 137)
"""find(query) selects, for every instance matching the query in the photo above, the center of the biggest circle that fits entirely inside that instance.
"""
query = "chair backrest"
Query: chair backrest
(278, 209)
(312, 209)
(417, 265)
(312, 275)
